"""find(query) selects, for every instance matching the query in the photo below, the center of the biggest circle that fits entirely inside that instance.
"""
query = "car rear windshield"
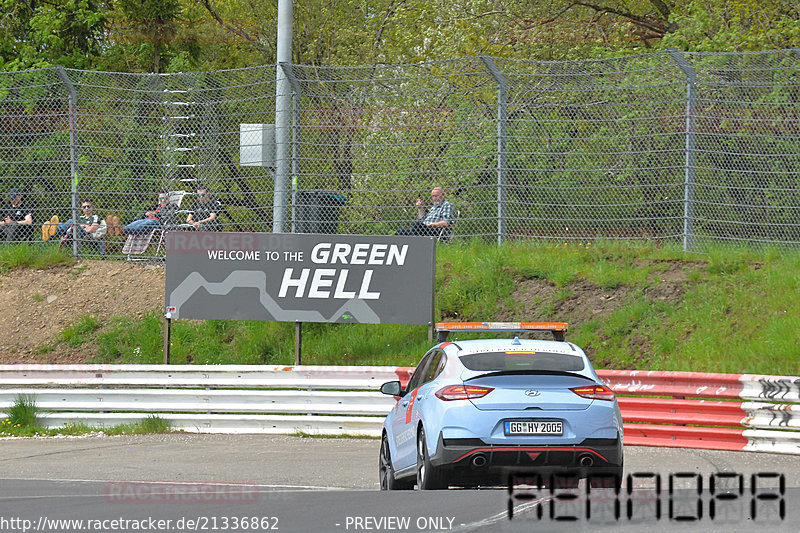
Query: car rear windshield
(522, 361)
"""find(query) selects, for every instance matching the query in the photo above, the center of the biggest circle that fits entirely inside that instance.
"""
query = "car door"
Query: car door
(403, 428)
(425, 395)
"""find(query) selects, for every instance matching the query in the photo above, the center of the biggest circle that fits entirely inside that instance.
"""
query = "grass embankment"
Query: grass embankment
(630, 305)
(24, 256)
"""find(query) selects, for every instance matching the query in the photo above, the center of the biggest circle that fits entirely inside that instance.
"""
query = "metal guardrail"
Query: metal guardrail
(208, 398)
(212, 376)
(711, 411)
(703, 411)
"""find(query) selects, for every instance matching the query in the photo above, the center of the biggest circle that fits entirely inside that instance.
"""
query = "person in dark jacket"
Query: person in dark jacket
(17, 219)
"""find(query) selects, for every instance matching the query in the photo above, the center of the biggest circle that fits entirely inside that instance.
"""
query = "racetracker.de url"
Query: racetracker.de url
(200, 523)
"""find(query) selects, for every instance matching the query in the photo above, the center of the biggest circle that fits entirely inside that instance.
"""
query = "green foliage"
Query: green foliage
(23, 414)
(185, 35)
(31, 256)
(138, 341)
(22, 420)
(79, 333)
(59, 32)
(150, 424)
(153, 25)
(734, 25)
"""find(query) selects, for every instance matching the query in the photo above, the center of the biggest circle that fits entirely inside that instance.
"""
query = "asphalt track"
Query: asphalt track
(187, 482)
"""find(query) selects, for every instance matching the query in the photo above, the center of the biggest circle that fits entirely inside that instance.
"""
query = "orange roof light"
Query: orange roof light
(556, 328)
(502, 326)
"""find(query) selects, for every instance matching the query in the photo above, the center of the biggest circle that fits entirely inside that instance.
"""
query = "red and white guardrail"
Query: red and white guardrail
(672, 409)
(709, 411)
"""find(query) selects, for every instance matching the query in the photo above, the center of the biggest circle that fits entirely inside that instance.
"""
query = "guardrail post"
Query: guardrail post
(688, 181)
(72, 96)
(502, 163)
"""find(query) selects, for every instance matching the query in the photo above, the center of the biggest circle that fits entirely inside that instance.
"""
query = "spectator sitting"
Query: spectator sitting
(17, 223)
(162, 214)
(90, 228)
(431, 224)
(204, 214)
(88, 223)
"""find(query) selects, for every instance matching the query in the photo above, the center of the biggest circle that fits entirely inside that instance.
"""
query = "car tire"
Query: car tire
(429, 477)
(386, 472)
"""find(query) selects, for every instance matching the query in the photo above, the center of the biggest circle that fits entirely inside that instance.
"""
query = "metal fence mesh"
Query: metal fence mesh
(693, 148)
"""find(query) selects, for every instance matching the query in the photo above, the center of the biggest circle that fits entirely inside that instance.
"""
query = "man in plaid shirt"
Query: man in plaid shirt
(436, 221)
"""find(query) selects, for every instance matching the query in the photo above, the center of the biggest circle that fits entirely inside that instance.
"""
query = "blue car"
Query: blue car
(476, 411)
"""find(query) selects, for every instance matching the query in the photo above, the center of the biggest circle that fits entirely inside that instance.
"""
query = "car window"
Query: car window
(523, 361)
(416, 378)
(435, 366)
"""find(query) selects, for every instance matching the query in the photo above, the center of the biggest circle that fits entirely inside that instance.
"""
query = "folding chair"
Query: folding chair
(162, 241)
(137, 243)
(175, 198)
(446, 233)
(95, 240)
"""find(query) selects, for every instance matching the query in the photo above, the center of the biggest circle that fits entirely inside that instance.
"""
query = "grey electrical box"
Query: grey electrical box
(257, 145)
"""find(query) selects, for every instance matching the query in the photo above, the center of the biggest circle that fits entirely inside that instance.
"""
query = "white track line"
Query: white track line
(291, 488)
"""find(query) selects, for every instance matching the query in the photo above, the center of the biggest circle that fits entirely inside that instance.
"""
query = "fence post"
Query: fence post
(502, 124)
(287, 70)
(688, 180)
(72, 98)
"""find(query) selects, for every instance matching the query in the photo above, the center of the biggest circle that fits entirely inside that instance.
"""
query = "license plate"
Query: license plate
(532, 427)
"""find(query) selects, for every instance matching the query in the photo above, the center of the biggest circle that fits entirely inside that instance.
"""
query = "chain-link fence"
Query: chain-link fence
(688, 148)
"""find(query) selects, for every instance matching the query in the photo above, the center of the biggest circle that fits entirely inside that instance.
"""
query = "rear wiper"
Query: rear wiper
(530, 373)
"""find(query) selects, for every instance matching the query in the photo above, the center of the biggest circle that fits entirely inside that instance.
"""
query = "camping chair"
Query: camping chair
(137, 243)
(175, 198)
(96, 240)
(446, 233)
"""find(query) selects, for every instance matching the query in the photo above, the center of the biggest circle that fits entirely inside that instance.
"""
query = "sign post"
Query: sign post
(167, 338)
(298, 343)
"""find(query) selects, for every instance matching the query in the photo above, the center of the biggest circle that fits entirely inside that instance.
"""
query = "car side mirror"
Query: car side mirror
(392, 388)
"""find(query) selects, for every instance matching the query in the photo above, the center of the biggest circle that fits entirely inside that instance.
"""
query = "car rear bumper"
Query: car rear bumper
(473, 456)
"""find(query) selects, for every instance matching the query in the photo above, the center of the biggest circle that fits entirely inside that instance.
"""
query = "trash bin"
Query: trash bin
(317, 211)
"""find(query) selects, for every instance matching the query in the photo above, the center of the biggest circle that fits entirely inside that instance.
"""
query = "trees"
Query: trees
(705, 25)
(41, 33)
(183, 35)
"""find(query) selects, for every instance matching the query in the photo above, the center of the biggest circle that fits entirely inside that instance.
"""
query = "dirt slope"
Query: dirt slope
(39, 304)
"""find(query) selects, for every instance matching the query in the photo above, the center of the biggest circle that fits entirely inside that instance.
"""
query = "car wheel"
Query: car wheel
(386, 472)
(429, 477)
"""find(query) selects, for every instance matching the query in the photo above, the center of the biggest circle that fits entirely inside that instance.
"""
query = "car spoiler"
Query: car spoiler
(556, 328)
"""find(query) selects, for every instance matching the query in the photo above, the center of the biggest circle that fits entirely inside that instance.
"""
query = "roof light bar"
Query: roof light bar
(556, 328)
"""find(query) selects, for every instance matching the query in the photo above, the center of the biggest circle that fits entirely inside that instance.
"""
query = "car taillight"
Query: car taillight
(594, 392)
(462, 392)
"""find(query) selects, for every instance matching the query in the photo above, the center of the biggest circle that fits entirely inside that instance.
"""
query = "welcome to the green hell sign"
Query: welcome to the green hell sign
(325, 282)
(394, 275)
